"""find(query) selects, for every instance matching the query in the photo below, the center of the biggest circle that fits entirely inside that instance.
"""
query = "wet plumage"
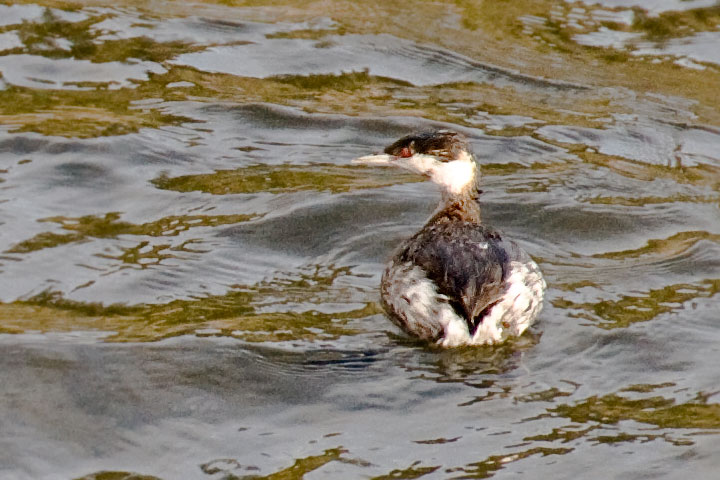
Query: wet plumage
(456, 281)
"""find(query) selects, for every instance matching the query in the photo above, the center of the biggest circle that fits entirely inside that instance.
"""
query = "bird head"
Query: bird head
(442, 156)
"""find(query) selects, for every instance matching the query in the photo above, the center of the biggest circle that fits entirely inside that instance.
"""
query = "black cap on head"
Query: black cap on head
(443, 144)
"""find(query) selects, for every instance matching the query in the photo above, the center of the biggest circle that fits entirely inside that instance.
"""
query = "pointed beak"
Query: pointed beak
(377, 159)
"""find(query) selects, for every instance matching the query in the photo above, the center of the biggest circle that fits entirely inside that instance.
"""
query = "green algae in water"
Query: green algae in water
(297, 471)
(97, 110)
(343, 82)
(572, 433)
(409, 473)
(329, 93)
(561, 434)
(653, 200)
(228, 315)
(630, 309)
(488, 467)
(486, 27)
(647, 387)
(676, 24)
(659, 411)
(308, 33)
(229, 469)
(286, 178)
(545, 396)
(84, 113)
(600, 412)
(144, 255)
(239, 313)
(117, 475)
(109, 226)
(40, 38)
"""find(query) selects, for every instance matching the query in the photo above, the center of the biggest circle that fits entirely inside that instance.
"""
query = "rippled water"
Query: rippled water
(190, 263)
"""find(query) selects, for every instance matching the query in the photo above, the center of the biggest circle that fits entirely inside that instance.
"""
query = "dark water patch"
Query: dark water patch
(513, 168)
(319, 361)
(553, 222)
(344, 81)
(82, 175)
(474, 367)
(519, 150)
(294, 127)
(346, 220)
(19, 145)
(196, 379)
(671, 246)
(392, 57)
(341, 360)
(435, 441)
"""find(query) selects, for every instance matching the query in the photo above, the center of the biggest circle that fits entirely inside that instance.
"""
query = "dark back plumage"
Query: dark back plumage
(468, 262)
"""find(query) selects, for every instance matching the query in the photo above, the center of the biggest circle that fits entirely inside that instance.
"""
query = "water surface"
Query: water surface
(190, 262)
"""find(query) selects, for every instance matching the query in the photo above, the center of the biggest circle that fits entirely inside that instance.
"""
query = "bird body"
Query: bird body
(456, 281)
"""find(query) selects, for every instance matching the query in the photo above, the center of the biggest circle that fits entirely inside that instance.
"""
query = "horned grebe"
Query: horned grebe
(456, 281)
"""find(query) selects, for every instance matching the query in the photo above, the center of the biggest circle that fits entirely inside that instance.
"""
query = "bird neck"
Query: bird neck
(463, 206)
(459, 181)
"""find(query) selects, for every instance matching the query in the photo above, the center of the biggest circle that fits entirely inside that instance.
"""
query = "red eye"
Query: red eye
(405, 152)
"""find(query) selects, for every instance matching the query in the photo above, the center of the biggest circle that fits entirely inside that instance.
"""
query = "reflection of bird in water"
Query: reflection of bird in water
(456, 281)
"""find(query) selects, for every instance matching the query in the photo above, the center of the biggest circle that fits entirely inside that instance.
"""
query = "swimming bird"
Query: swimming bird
(456, 281)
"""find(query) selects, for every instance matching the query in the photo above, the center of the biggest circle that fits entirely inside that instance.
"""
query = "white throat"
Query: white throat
(455, 177)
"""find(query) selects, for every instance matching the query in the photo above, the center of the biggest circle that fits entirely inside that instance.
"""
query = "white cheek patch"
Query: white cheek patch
(455, 176)
(422, 164)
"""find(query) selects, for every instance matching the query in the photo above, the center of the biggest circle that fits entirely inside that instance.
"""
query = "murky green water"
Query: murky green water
(190, 263)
